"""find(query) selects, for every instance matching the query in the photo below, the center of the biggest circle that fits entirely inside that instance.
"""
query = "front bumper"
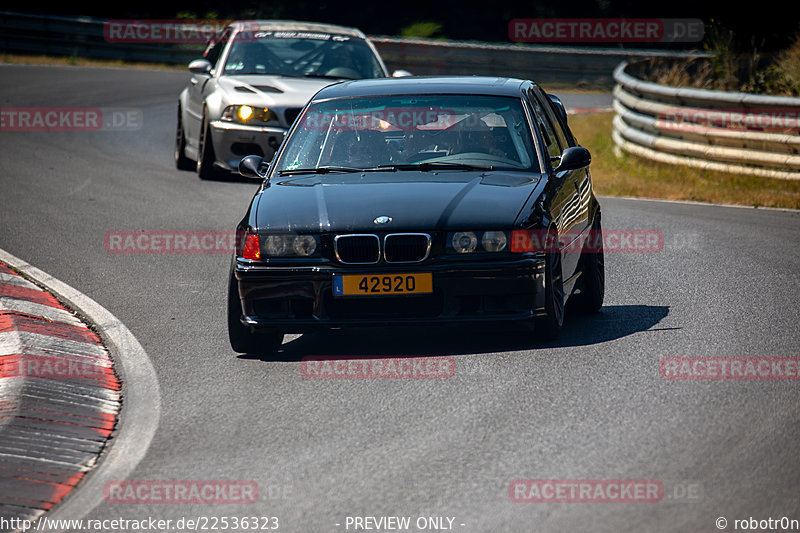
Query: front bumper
(234, 141)
(300, 299)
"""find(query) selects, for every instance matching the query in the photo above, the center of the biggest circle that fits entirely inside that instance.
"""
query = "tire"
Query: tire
(593, 284)
(549, 326)
(181, 161)
(205, 153)
(245, 339)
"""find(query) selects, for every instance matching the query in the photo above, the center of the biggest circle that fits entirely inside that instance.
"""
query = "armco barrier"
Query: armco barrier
(545, 64)
(84, 37)
(722, 131)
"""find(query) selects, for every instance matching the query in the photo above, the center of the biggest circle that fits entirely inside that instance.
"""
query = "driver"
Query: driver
(477, 137)
(415, 142)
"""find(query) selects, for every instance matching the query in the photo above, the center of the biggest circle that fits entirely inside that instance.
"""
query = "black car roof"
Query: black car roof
(482, 85)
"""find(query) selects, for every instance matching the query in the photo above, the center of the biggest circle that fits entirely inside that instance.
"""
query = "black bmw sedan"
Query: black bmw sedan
(425, 200)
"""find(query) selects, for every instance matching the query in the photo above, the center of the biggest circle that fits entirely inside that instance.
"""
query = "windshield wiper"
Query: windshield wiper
(433, 165)
(328, 76)
(318, 170)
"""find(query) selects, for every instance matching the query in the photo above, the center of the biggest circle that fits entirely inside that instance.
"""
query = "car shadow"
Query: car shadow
(611, 323)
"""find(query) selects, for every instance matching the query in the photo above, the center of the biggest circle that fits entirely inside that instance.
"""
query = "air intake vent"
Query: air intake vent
(406, 247)
(357, 249)
(267, 89)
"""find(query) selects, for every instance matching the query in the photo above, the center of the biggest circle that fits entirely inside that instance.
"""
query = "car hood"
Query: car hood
(272, 90)
(415, 201)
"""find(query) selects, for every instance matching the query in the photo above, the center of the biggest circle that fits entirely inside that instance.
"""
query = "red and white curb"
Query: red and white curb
(63, 375)
(59, 398)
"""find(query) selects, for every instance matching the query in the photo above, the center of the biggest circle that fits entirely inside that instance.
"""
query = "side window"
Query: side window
(215, 47)
(543, 122)
(544, 102)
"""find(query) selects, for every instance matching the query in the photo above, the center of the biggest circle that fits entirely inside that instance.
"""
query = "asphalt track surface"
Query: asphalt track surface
(591, 406)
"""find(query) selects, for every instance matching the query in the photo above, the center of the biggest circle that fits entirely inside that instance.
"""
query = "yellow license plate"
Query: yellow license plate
(382, 284)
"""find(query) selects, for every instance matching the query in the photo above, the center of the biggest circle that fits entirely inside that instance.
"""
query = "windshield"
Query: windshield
(428, 132)
(292, 53)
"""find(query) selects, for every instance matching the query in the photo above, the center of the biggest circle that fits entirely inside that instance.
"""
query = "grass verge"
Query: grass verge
(629, 175)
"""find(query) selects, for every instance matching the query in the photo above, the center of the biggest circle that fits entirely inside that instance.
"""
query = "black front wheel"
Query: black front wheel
(245, 339)
(593, 276)
(549, 326)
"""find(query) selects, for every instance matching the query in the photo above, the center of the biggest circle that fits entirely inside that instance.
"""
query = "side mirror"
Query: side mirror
(574, 158)
(253, 166)
(401, 74)
(200, 66)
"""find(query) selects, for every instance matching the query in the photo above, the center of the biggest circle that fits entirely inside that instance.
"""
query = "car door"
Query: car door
(580, 178)
(200, 87)
(565, 205)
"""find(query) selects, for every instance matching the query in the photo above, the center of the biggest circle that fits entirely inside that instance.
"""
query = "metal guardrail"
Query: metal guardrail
(84, 37)
(543, 64)
(722, 131)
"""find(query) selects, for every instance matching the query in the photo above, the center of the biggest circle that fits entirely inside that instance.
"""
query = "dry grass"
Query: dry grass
(633, 176)
(752, 72)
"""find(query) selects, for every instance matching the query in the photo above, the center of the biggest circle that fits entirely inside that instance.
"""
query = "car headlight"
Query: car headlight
(245, 114)
(289, 245)
(305, 245)
(464, 242)
(275, 245)
(494, 241)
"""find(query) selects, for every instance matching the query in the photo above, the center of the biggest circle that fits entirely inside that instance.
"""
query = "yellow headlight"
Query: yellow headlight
(245, 112)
